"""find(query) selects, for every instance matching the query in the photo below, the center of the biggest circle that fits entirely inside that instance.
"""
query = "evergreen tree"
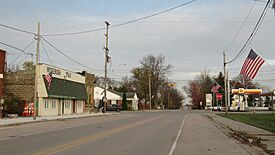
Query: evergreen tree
(124, 102)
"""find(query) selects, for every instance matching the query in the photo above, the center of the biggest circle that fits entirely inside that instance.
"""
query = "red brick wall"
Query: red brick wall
(2, 71)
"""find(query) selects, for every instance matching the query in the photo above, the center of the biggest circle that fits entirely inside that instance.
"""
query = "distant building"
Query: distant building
(114, 97)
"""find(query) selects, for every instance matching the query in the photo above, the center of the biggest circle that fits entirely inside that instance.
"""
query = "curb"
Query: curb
(56, 119)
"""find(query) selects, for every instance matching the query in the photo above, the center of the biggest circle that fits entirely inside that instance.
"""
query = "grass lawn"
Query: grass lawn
(264, 121)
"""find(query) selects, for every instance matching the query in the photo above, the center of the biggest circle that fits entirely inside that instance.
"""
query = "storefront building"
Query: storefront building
(65, 93)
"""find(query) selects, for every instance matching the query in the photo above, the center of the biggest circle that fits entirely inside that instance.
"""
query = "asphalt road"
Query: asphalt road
(130, 133)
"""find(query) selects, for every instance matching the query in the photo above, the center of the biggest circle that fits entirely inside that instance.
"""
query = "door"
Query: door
(62, 107)
(74, 107)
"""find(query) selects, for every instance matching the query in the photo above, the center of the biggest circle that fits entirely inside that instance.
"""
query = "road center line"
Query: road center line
(176, 140)
(84, 140)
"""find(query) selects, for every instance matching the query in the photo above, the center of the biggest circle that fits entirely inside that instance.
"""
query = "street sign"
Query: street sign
(219, 96)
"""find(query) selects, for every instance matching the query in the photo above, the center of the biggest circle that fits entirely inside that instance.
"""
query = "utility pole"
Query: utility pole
(106, 62)
(37, 37)
(225, 83)
(150, 93)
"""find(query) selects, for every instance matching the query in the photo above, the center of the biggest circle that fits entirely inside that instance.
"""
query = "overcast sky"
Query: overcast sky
(192, 38)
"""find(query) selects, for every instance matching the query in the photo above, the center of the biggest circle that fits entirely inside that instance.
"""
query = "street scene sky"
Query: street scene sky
(192, 37)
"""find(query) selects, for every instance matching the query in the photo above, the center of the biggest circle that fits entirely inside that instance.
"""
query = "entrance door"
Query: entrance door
(62, 107)
(74, 107)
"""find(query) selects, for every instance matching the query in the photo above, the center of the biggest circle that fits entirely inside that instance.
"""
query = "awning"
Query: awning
(66, 89)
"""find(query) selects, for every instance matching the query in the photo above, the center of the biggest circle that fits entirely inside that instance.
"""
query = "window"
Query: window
(53, 104)
(79, 104)
(67, 104)
(46, 104)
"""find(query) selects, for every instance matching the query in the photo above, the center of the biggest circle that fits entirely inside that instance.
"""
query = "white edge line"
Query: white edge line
(176, 140)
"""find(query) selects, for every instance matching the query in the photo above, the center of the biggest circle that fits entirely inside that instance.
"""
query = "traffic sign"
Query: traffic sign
(219, 96)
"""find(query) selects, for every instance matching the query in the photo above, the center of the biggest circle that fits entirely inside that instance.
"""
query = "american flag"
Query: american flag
(215, 88)
(252, 64)
(48, 77)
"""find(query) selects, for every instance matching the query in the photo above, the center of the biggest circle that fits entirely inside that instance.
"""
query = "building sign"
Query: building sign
(208, 98)
(54, 70)
(60, 73)
(246, 91)
(57, 71)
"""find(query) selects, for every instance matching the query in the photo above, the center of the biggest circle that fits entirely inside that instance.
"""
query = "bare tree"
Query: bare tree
(243, 82)
(99, 82)
(158, 70)
(28, 65)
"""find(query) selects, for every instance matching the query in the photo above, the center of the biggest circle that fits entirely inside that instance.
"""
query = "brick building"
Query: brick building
(2, 72)
(89, 83)
(20, 85)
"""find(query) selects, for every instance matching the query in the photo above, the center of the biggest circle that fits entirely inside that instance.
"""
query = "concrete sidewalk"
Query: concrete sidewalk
(251, 133)
(200, 136)
(22, 120)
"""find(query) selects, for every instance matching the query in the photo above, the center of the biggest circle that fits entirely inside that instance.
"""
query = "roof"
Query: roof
(128, 94)
(268, 94)
(66, 89)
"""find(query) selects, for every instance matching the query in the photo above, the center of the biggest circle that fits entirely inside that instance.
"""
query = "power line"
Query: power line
(16, 29)
(22, 51)
(22, 60)
(46, 52)
(236, 35)
(125, 23)
(154, 14)
(68, 56)
(255, 30)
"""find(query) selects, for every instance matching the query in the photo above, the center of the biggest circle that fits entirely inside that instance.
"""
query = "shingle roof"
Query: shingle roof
(128, 94)
(66, 89)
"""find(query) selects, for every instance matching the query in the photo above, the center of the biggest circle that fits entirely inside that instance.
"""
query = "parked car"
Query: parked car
(114, 107)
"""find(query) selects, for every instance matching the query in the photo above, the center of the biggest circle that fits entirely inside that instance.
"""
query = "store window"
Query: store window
(67, 104)
(79, 104)
(46, 104)
(53, 104)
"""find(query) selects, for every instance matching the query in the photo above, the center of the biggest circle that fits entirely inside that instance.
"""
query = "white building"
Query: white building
(113, 98)
(66, 94)
(116, 98)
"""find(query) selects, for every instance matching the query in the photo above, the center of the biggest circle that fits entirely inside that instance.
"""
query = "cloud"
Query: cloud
(192, 38)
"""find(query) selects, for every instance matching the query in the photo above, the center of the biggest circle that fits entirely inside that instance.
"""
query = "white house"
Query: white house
(132, 100)
(113, 98)
(116, 97)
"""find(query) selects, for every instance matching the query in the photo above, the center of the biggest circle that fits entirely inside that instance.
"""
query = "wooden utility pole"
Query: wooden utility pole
(37, 37)
(150, 93)
(105, 66)
(225, 84)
